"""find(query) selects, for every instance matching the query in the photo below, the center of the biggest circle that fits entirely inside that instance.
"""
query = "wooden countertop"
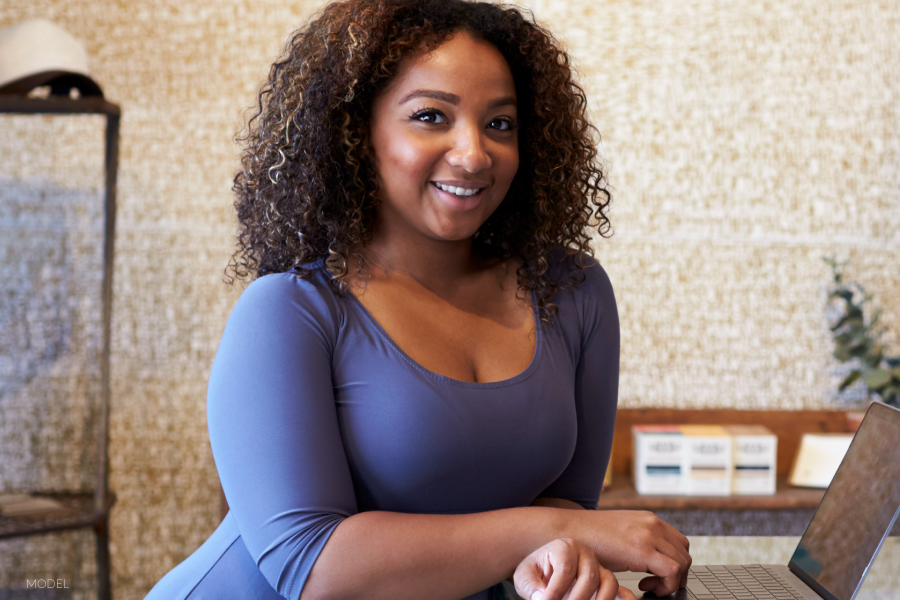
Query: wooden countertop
(621, 495)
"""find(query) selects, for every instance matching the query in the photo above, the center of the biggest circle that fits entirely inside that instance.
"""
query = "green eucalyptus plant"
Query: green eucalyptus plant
(857, 339)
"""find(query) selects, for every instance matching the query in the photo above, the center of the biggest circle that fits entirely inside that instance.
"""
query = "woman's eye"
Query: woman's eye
(429, 116)
(502, 124)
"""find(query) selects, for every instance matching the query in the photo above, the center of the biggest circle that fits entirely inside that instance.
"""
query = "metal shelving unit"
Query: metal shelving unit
(83, 510)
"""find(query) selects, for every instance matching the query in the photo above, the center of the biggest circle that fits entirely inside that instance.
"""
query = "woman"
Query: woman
(415, 397)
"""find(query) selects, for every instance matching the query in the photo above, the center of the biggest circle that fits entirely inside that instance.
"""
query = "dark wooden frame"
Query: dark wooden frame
(84, 510)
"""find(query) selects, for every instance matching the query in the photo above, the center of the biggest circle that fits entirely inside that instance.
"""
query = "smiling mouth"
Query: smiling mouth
(456, 191)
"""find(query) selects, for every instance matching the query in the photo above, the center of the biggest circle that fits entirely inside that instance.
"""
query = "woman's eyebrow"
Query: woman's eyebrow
(453, 98)
(504, 101)
(444, 96)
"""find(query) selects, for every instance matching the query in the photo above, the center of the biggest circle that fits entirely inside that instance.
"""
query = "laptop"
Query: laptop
(841, 541)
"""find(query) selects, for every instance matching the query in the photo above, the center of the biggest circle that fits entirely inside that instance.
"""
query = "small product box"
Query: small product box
(707, 466)
(658, 459)
(755, 449)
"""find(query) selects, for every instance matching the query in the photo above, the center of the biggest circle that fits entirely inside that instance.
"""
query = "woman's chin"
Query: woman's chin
(451, 230)
(454, 235)
(450, 223)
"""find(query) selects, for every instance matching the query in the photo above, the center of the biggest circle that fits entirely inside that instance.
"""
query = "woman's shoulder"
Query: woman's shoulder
(585, 296)
(577, 271)
(282, 298)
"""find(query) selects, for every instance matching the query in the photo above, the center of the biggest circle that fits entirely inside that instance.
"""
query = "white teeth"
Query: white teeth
(456, 190)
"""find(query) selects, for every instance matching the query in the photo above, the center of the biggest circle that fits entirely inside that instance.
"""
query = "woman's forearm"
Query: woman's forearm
(396, 556)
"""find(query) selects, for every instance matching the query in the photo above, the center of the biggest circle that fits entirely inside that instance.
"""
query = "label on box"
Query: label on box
(755, 451)
(658, 459)
(708, 467)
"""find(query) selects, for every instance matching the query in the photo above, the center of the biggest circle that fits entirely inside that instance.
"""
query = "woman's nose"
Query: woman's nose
(470, 152)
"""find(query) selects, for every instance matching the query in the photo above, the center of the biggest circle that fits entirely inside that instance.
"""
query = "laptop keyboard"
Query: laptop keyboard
(740, 583)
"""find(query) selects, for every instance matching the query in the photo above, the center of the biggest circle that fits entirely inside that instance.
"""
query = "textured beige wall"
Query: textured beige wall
(745, 141)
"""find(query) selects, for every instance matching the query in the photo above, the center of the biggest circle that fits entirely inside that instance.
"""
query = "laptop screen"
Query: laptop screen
(858, 508)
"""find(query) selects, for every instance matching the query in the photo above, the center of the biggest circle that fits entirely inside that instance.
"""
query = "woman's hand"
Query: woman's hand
(638, 541)
(566, 569)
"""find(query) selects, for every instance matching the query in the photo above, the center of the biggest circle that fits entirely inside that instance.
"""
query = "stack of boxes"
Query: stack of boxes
(704, 460)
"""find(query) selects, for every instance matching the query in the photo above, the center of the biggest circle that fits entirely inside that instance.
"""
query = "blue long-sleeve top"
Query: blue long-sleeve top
(315, 414)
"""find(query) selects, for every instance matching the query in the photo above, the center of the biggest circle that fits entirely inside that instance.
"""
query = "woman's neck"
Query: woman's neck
(438, 265)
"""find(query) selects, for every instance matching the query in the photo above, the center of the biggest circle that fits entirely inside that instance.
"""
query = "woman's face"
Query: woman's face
(444, 136)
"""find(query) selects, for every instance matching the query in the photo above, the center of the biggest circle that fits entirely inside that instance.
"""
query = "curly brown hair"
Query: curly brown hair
(307, 185)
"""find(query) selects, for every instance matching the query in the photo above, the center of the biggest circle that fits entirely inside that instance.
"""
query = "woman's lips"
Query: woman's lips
(458, 202)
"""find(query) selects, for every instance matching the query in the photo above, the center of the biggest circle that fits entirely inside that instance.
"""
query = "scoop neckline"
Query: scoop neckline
(535, 358)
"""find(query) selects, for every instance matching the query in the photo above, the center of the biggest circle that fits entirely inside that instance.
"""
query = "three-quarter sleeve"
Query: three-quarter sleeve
(596, 390)
(274, 429)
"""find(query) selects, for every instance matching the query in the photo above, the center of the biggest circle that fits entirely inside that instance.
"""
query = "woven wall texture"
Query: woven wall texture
(745, 141)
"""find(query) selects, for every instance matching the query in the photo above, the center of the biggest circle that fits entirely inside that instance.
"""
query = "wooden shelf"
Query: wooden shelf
(621, 495)
(78, 513)
(785, 513)
(89, 105)
(788, 425)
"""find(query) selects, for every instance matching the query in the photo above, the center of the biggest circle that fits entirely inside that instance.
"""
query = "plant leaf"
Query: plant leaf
(875, 318)
(842, 293)
(890, 391)
(877, 378)
(843, 338)
(872, 361)
(849, 380)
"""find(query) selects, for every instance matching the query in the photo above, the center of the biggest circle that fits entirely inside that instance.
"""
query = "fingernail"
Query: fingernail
(537, 595)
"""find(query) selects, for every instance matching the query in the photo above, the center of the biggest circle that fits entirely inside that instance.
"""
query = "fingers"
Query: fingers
(667, 575)
(593, 581)
(673, 543)
(609, 585)
(547, 572)
(684, 578)
(669, 564)
(649, 584)
(529, 579)
(683, 560)
(656, 585)
(564, 570)
(669, 560)
(677, 553)
(638, 541)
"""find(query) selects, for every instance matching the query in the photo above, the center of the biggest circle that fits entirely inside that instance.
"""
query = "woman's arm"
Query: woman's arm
(278, 449)
(397, 556)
